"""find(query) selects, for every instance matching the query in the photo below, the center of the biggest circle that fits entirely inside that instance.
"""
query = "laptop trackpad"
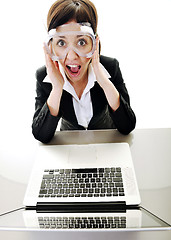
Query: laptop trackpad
(82, 156)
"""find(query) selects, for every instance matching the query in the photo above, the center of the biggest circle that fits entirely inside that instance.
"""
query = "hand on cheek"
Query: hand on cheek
(53, 71)
(99, 72)
(95, 58)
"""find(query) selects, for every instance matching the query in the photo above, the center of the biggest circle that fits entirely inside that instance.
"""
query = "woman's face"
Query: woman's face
(75, 66)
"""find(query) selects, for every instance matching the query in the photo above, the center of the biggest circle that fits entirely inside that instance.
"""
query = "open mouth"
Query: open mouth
(74, 69)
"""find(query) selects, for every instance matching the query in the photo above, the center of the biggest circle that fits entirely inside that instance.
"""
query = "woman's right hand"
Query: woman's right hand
(53, 71)
(57, 81)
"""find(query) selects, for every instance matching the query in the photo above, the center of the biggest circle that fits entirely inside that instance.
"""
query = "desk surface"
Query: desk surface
(151, 154)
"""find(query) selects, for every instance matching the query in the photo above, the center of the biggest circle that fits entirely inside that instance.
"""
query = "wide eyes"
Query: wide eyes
(80, 43)
(61, 43)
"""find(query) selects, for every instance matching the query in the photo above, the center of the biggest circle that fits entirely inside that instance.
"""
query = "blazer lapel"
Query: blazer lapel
(67, 108)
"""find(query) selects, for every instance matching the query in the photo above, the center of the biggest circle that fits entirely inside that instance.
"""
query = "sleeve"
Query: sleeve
(44, 124)
(124, 117)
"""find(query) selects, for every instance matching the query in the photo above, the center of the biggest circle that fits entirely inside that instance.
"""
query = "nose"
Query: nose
(71, 55)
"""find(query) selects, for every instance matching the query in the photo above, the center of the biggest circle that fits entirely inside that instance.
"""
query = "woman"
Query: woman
(84, 89)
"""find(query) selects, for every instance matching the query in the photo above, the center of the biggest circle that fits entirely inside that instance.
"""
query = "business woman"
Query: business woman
(77, 84)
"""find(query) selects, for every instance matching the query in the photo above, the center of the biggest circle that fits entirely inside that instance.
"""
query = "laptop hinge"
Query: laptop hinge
(81, 207)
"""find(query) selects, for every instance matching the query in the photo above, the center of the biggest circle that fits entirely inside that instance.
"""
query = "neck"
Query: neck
(80, 85)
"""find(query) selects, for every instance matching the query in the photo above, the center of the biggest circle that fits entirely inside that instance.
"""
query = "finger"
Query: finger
(45, 48)
(50, 64)
(96, 53)
(48, 59)
(47, 52)
(97, 43)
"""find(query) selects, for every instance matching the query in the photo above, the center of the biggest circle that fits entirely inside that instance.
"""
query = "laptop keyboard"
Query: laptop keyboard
(87, 182)
(81, 222)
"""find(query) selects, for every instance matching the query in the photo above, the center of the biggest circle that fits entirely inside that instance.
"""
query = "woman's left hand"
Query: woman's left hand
(109, 89)
(99, 72)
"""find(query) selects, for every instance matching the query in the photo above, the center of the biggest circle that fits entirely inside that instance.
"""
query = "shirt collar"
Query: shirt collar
(91, 80)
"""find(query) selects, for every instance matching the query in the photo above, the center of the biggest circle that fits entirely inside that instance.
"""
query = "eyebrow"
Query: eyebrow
(61, 36)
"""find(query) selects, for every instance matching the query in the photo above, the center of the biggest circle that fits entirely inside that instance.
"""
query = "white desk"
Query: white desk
(151, 154)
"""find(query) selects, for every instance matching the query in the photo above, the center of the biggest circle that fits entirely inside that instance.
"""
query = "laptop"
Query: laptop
(79, 183)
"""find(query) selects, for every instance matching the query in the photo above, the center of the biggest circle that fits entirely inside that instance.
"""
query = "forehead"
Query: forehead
(69, 27)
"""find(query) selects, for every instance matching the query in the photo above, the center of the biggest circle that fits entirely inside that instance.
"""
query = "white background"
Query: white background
(136, 32)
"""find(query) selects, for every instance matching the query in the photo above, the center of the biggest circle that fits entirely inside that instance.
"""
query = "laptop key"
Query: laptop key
(71, 195)
(90, 195)
(84, 170)
(117, 179)
(50, 176)
(118, 169)
(44, 191)
(41, 196)
(65, 195)
(101, 170)
(83, 195)
(77, 195)
(102, 195)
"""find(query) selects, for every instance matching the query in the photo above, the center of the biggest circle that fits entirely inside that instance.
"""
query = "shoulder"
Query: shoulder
(111, 65)
(42, 87)
(41, 73)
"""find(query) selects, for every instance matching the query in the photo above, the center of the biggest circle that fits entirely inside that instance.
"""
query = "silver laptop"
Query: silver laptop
(82, 176)
(90, 186)
(83, 188)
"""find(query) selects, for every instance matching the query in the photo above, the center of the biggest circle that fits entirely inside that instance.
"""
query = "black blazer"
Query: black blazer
(44, 124)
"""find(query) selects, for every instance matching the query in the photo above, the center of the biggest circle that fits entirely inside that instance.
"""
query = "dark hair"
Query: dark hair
(64, 10)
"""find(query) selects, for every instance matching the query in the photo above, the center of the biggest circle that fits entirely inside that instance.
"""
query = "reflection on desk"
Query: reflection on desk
(128, 220)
